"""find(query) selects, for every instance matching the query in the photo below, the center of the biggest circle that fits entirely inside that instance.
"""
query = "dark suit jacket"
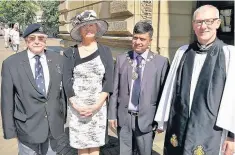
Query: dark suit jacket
(153, 79)
(26, 113)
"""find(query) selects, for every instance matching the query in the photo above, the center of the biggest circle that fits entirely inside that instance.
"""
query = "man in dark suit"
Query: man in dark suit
(138, 81)
(32, 101)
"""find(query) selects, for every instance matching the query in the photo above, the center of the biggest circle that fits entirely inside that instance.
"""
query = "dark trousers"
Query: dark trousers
(45, 148)
(131, 138)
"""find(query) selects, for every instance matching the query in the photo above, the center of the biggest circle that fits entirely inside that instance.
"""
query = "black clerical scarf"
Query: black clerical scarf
(196, 132)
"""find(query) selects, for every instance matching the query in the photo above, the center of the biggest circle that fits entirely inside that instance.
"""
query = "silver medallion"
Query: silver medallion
(134, 75)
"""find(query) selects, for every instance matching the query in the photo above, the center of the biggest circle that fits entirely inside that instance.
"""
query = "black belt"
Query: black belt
(133, 113)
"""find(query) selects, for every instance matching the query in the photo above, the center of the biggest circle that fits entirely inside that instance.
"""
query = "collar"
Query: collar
(31, 55)
(203, 48)
(144, 55)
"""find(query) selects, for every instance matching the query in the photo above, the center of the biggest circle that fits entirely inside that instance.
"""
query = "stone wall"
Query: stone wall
(171, 21)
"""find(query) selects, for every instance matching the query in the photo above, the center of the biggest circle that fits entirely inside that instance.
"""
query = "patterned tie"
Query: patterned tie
(39, 76)
(137, 82)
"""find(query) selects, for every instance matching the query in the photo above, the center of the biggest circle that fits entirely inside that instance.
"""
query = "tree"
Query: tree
(50, 17)
(22, 12)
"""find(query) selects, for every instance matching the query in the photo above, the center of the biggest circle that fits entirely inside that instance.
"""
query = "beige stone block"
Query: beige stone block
(172, 25)
(122, 42)
(168, 52)
(121, 27)
(75, 4)
(143, 10)
(63, 7)
(173, 7)
(121, 8)
(117, 51)
(64, 29)
(103, 10)
(173, 42)
(137, 18)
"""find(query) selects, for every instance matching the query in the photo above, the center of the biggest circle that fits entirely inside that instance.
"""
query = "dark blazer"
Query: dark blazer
(26, 113)
(69, 64)
(154, 76)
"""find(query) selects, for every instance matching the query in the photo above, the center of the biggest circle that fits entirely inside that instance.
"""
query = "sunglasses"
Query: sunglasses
(40, 38)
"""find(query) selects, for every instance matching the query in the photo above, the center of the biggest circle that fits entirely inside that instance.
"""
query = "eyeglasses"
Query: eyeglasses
(206, 21)
(41, 38)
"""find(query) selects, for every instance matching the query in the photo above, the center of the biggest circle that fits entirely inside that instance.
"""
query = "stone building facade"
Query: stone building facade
(171, 20)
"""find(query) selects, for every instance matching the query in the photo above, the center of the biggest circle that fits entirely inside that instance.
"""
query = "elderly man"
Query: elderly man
(197, 100)
(138, 82)
(32, 105)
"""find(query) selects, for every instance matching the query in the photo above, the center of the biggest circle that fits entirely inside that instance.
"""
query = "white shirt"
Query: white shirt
(145, 56)
(199, 60)
(15, 36)
(45, 68)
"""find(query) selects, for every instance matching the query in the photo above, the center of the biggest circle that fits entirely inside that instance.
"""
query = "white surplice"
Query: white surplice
(226, 114)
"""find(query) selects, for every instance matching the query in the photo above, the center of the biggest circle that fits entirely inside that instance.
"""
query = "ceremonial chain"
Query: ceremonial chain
(131, 62)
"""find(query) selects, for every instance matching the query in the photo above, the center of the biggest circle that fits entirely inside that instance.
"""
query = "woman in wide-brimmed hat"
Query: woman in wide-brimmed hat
(88, 80)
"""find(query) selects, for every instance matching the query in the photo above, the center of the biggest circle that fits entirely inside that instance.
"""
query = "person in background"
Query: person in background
(6, 35)
(15, 37)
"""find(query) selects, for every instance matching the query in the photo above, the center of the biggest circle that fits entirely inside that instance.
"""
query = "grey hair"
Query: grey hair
(204, 8)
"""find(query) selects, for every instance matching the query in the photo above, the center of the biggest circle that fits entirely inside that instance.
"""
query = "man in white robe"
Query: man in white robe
(198, 104)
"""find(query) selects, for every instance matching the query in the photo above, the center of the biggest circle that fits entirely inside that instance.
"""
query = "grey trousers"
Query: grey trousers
(131, 137)
(25, 150)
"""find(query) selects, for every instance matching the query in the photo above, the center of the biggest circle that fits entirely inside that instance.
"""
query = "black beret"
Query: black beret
(32, 28)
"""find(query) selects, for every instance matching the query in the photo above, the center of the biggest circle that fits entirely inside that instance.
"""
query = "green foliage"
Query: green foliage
(50, 17)
(23, 12)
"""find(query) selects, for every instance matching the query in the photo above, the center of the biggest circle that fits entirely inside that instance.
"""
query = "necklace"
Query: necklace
(135, 67)
(88, 49)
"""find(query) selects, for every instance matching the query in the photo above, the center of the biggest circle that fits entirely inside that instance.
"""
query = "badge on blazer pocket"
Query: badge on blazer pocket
(199, 150)
(174, 141)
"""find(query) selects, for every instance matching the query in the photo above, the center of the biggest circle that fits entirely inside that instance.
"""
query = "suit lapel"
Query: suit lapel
(129, 70)
(50, 67)
(147, 74)
(28, 70)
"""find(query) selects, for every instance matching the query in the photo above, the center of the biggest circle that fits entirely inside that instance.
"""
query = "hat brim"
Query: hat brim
(102, 29)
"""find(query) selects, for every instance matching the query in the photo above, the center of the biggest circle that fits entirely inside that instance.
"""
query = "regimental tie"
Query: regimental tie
(137, 83)
(39, 76)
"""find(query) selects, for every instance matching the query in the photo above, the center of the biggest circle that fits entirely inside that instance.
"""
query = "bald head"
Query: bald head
(206, 8)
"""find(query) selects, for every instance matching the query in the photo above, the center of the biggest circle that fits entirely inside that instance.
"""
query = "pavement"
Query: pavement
(9, 147)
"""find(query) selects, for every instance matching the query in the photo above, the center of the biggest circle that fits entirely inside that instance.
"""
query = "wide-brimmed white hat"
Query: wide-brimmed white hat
(87, 17)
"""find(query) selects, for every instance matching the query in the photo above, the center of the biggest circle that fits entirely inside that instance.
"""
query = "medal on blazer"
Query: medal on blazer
(134, 73)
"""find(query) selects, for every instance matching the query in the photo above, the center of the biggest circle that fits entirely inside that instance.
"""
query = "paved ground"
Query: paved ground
(9, 147)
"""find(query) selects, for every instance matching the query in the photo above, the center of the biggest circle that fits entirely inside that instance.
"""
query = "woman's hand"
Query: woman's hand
(85, 111)
(88, 110)
(81, 111)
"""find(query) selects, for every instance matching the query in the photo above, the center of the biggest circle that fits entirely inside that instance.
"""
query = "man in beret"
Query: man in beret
(33, 105)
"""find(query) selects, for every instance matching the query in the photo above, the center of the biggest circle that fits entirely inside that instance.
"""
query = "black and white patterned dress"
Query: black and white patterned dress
(88, 74)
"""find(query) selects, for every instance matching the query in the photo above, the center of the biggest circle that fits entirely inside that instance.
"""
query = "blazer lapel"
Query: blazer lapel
(50, 67)
(147, 74)
(129, 70)
(28, 70)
